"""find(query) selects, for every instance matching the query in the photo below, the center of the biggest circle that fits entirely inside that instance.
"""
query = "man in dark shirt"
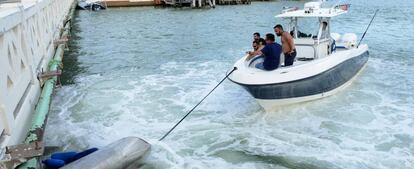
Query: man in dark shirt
(271, 53)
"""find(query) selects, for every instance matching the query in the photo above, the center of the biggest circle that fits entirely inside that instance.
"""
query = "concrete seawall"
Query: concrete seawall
(28, 34)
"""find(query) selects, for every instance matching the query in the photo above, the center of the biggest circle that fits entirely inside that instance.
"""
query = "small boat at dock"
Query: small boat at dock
(325, 63)
(93, 5)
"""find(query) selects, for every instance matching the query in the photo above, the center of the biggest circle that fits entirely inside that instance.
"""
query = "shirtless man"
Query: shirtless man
(288, 46)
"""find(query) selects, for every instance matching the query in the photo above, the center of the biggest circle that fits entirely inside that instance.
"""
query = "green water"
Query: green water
(136, 71)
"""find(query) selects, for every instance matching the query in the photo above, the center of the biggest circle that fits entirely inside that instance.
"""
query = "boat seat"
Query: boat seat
(256, 60)
(305, 51)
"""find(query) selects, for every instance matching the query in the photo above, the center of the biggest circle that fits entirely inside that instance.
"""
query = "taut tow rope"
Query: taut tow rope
(366, 30)
(189, 112)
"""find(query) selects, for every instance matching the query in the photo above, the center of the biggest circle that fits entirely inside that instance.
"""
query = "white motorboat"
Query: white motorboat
(325, 63)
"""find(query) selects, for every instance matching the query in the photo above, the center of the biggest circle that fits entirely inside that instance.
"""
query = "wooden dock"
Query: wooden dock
(126, 3)
(190, 3)
(233, 2)
(204, 3)
(174, 3)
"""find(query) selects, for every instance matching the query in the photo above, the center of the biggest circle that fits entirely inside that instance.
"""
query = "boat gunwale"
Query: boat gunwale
(284, 70)
(257, 92)
(242, 84)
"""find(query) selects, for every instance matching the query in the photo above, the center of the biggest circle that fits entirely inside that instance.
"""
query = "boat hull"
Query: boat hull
(270, 96)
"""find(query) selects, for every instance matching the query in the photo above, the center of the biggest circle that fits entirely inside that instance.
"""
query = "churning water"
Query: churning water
(136, 71)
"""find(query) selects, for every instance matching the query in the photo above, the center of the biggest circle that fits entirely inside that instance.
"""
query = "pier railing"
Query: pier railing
(28, 32)
(9, 1)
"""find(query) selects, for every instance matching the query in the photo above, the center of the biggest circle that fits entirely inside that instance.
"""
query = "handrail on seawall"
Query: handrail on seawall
(9, 1)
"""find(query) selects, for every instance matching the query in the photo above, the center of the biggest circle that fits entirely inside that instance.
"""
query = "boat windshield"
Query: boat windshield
(307, 28)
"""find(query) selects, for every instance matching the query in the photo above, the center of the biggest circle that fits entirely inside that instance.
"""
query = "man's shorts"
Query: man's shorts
(290, 58)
